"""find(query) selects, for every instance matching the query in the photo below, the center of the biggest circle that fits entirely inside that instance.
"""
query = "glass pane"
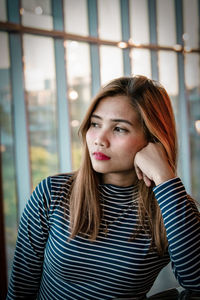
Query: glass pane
(191, 23)
(166, 26)
(192, 78)
(37, 13)
(139, 21)
(111, 62)
(41, 105)
(3, 16)
(76, 17)
(79, 90)
(7, 151)
(168, 76)
(141, 62)
(109, 20)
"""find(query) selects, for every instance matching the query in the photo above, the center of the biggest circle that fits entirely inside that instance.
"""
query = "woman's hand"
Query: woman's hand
(151, 164)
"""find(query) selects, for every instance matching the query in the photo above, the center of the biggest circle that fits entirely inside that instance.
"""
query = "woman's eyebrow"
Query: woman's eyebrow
(113, 120)
(122, 121)
(96, 116)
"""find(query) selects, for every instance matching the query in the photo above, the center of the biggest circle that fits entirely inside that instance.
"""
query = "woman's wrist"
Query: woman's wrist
(163, 178)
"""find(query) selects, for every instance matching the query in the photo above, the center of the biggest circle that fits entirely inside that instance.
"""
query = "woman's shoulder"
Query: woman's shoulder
(54, 184)
(54, 189)
(61, 178)
(60, 181)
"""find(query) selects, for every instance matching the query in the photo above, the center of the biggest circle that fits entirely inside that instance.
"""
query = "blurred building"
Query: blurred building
(54, 56)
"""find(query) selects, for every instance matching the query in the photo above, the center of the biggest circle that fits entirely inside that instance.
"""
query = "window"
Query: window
(168, 76)
(166, 26)
(109, 20)
(79, 90)
(111, 63)
(191, 24)
(3, 16)
(75, 16)
(139, 21)
(37, 13)
(41, 105)
(192, 78)
(7, 151)
(141, 62)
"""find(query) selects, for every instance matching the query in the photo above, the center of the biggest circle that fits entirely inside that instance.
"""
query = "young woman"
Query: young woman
(107, 230)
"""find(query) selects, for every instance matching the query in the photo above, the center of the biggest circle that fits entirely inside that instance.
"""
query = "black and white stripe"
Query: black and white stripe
(49, 266)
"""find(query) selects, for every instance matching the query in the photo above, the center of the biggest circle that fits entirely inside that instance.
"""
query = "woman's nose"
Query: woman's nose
(102, 140)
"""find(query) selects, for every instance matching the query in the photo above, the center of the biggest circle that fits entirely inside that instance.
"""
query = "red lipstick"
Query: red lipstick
(100, 156)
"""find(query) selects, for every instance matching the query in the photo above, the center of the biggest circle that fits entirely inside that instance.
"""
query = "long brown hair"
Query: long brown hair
(152, 103)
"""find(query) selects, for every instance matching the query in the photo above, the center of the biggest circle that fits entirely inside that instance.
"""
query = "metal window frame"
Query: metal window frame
(94, 48)
(153, 38)
(184, 140)
(11, 27)
(22, 165)
(63, 112)
(125, 26)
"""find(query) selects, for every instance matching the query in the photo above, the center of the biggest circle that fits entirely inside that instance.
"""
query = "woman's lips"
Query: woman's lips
(100, 156)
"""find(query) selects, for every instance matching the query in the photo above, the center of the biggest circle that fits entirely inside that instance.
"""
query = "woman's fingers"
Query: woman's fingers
(138, 172)
(147, 181)
(151, 164)
(141, 175)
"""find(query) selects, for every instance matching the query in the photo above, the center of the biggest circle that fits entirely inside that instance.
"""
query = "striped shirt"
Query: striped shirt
(49, 266)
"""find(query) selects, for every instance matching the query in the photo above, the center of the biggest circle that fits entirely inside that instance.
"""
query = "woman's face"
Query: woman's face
(114, 137)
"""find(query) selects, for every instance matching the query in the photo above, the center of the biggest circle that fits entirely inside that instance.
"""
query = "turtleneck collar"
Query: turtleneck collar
(118, 195)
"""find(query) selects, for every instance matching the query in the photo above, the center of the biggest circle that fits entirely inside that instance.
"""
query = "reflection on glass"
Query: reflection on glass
(76, 17)
(37, 13)
(7, 152)
(191, 23)
(139, 21)
(111, 62)
(109, 20)
(3, 16)
(166, 26)
(79, 90)
(141, 62)
(41, 105)
(192, 78)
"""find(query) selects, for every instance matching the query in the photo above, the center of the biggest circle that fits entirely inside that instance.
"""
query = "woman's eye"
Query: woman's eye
(121, 130)
(94, 124)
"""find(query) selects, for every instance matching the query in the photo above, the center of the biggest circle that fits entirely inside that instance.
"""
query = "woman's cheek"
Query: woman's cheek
(90, 136)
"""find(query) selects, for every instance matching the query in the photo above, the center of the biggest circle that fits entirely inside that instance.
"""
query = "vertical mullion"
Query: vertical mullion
(63, 113)
(198, 4)
(3, 273)
(125, 25)
(23, 179)
(94, 49)
(57, 12)
(13, 11)
(153, 37)
(184, 147)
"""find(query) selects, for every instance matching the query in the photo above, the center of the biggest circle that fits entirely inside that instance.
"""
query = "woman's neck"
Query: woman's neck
(119, 180)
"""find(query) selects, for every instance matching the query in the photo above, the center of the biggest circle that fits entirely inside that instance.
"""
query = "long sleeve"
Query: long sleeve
(29, 253)
(182, 223)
